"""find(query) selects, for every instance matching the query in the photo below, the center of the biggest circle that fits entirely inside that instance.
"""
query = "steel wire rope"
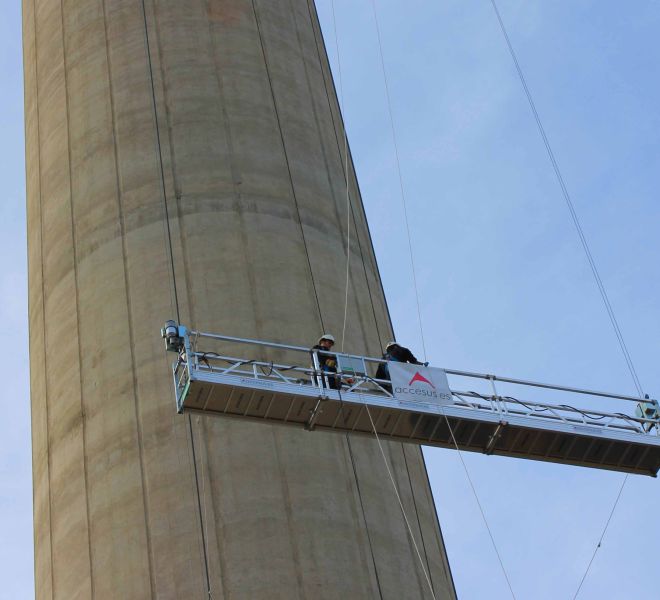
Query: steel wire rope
(166, 222)
(602, 535)
(320, 44)
(170, 252)
(309, 263)
(396, 491)
(414, 274)
(400, 176)
(314, 22)
(571, 208)
(403, 510)
(205, 525)
(414, 500)
(348, 255)
(472, 486)
(199, 507)
(280, 129)
(323, 377)
(358, 489)
(342, 108)
(476, 497)
(590, 260)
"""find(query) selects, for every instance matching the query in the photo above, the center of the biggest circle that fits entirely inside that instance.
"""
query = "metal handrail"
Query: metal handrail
(552, 409)
(456, 372)
(549, 386)
(503, 405)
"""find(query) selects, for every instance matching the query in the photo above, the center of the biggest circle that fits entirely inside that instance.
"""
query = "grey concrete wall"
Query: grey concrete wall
(250, 168)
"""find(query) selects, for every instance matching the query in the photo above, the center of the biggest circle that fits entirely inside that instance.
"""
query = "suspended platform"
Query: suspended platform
(228, 377)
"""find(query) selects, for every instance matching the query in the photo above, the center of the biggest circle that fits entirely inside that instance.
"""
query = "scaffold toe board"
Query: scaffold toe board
(415, 404)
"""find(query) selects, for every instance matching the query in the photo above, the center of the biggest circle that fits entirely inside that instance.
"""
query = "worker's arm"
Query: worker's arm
(410, 358)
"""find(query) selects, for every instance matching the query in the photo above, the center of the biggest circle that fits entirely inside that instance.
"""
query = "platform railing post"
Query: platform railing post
(318, 377)
(496, 398)
(189, 354)
(177, 391)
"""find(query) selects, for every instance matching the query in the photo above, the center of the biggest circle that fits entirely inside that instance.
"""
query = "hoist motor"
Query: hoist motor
(172, 336)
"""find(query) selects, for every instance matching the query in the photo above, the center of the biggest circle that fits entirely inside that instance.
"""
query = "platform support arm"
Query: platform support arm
(494, 438)
(314, 414)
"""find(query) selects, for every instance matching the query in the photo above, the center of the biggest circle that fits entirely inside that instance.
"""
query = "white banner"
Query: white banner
(416, 383)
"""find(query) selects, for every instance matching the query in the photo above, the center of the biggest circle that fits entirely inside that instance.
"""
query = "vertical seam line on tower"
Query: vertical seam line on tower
(425, 577)
(348, 442)
(247, 265)
(284, 489)
(286, 159)
(122, 230)
(186, 271)
(43, 301)
(349, 445)
(160, 159)
(419, 524)
(173, 169)
(235, 173)
(171, 256)
(364, 515)
(350, 156)
(438, 531)
(364, 266)
(328, 178)
(199, 506)
(77, 299)
(201, 427)
(352, 214)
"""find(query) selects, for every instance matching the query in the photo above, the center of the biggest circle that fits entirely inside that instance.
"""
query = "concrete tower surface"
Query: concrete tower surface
(187, 156)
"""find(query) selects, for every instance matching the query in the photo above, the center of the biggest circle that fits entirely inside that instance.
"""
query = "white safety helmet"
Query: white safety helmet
(327, 336)
(389, 345)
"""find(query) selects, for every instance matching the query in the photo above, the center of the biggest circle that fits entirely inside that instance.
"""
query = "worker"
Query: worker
(328, 362)
(395, 353)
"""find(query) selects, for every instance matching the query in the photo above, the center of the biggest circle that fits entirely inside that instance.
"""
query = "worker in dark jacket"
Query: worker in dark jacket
(328, 362)
(396, 353)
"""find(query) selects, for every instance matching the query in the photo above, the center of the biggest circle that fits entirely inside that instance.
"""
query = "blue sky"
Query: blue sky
(504, 284)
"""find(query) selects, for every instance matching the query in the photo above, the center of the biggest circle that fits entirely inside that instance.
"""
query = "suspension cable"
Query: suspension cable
(398, 168)
(348, 194)
(417, 294)
(571, 208)
(481, 510)
(359, 494)
(398, 497)
(602, 535)
(199, 507)
(348, 255)
(174, 298)
(590, 259)
(170, 254)
(205, 527)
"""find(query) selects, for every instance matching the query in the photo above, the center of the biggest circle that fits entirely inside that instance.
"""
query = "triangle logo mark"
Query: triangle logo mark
(419, 377)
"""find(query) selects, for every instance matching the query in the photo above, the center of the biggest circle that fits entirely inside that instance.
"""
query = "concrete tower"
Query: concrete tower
(197, 146)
